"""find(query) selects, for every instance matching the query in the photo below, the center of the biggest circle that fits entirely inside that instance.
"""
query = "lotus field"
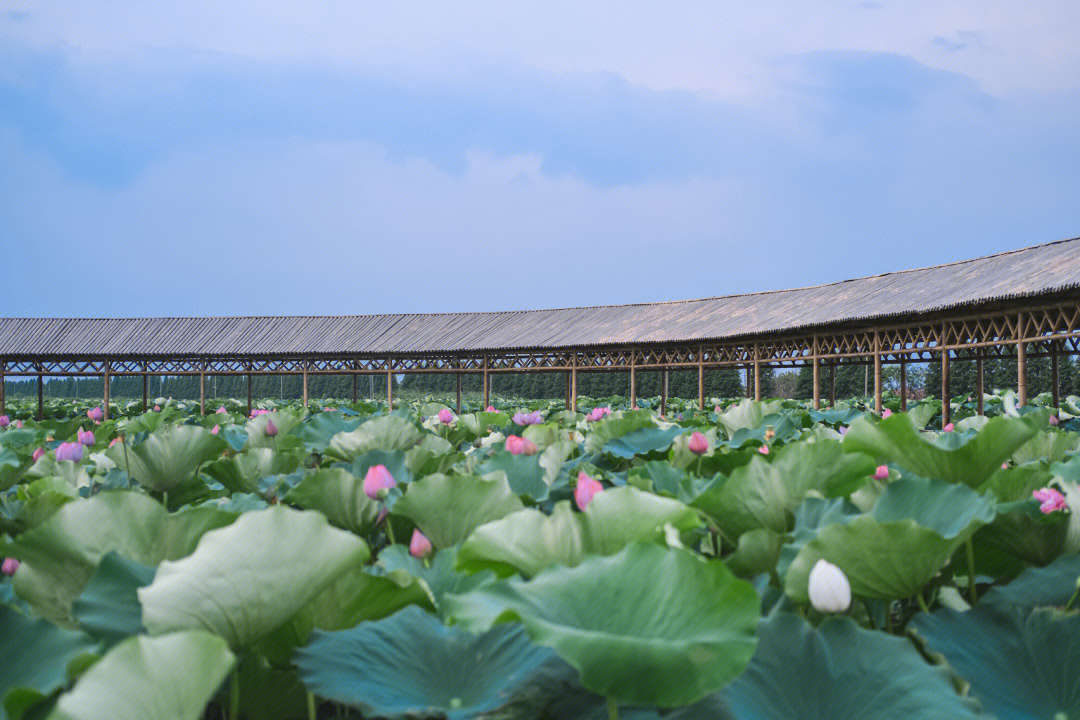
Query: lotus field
(755, 560)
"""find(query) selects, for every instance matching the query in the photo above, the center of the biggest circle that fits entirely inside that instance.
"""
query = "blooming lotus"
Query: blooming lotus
(886, 413)
(419, 545)
(95, 414)
(4, 421)
(533, 418)
(69, 451)
(586, 490)
(764, 449)
(9, 566)
(598, 413)
(271, 428)
(1051, 500)
(948, 428)
(445, 416)
(377, 479)
(829, 589)
(698, 443)
(38, 453)
(518, 445)
(882, 472)
(86, 438)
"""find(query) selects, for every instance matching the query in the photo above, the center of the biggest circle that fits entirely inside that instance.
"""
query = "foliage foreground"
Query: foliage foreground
(753, 561)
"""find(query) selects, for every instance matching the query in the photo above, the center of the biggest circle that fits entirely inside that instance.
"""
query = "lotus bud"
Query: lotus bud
(490, 408)
(828, 589)
(117, 439)
(528, 447)
(764, 449)
(69, 451)
(948, 428)
(378, 479)
(38, 453)
(882, 472)
(885, 413)
(445, 416)
(9, 566)
(717, 410)
(1051, 500)
(1005, 465)
(95, 414)
(698, 443)
(513, 444)
(86, 438)
(842, 430)
(586, 489)
(4, 421)
(419, 545)
(1053, 420)
(157, 408)
(18, 423)
(271, 428)
(216, 430)
(221, 410)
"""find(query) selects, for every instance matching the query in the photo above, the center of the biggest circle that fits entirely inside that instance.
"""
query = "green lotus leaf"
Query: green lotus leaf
(109, 608)
(523, 472)
(896, 548)
(837, 670)
(171, 677)
(60, 555)
(747, 415)
(968, 458)
(36, 655)
(245, 580)
(438, 575)
(612, 428)
(340, 496)
(241, 473)
(447, 508)
(412, 665)
(268, 692)
(1021, 531)
(283, 421)
(167, 457)
(386, 432)
(649, 625)
(1052, 585)
(757, 552)
(478, 423)
(1049, 445)
(528, 541)
(320, 429)
(393, 460)
(1020, 663)
(12, 467)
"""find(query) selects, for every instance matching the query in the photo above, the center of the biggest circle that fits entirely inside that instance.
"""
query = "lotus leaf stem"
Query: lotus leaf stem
(612, 708)
(311, 707)
(1068, 605)
(972, 590)
(922, 603)
(234, 695)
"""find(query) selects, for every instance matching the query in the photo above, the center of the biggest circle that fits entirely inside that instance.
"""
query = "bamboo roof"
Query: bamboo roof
(1030, 272)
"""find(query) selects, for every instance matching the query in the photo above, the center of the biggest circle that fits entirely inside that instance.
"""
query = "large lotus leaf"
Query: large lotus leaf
(1020, 530)
(896, 548)
(340, 496)
(386, 432)
(256, 429)
(1022, 665)
(1049, 445)
(12, 467)
(438, 574)
(968, 458)
(319, 430)
(609, 430)
(167, 457)
(747, 415)
(838, 671)
(245, 580)
(523, 472)
(650, 624)
(447, 508)
(60, 555)
(1052, 585)
(412, 665)
(756, 553)
(171, 677)
(241, 473)
(478, 423)
(109, 608)
(36, 655)
(528, 541)
(268, 692)
(393, 460)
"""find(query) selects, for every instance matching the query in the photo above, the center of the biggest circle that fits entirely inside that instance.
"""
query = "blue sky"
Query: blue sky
(348, 157)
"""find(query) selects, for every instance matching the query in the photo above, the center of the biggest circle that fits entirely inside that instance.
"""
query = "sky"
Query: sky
(273, 158)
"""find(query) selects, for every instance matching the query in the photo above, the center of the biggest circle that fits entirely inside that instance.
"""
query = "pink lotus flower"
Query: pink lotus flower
(948, 428)
(717, 410)
(95, 414)
(9, 566)
(445, 416)
(586, 490)
(419, 545)
(1053, 420)
(882, 472)
(842, 430)
(1005, 465)
(698, 443)
(1050, 498)
(271, 428)
(221, 410)
(764, 449)
(885, 413)
(216, 430)
(533, 418)
(378, 478)
(86, 438)
(117, 439)
(598, 413)
(18, 423)
(157, 408)
(69, 451)
(518, 445)
(258, 411)
(490, 408)
(38, 453)
(4, 421)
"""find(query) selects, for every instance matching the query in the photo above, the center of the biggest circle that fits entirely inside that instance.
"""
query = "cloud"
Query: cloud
(961, 40)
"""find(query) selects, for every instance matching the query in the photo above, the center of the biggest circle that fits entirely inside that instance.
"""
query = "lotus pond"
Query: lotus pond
(756, 560)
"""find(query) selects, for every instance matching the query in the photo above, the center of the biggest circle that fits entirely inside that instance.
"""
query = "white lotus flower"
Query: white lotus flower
(829, 590)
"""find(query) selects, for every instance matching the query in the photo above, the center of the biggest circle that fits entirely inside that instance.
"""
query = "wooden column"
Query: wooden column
(458, 380)
(573, 384)
(145, 387)
(701, 379)
(757, 373)
(567, 392)
(749, 383)
(105, 387)
(1021, 361)
(355, 383)
(390, 383)
(1055, 380)
(663, 391)
(202, 389)
(250, 406)
(3, 388)
(633, 379)
(903, 384)
(877, 373)
(486, 380)
(817, 375)
(304, 373)
(946, 406)
(832, 385)
(40, 393)
(979, 383)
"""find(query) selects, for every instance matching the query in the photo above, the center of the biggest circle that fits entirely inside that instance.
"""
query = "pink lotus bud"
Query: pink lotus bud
(586, 489)
(216, 430)
(1053, 420)
(9, 566)
(221, 410)
(717, 410)
(445, 416)
(1050, 498)
(4, 421)
(948, 428)
(882, 472)
(38, 453)
(842, 430)
(18, 423)
(513, 444)
(764, 449)
(95, 414)
(419, 545)
(528, 447)
(598, 413)
(86, 438)
(271, 428)
(490, 408)
(157, 408)
(698, 443)
(378, 478)
(117, 439)
(885, 413)
(1005, 465)
(69, 451)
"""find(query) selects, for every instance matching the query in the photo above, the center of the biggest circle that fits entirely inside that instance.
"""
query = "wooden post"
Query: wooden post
(3, 388)
(1055, 383)
(979, 383)
(145, 387)
(832, 385)
(567, 393)
(946, 408)
(903, 384)
(390, 383)
(458, 379)
(1021, 361)
(573, 384)
(105, 388)
(749, 383)
(202, 389)
(817, 375)
(485, 381)
(250, 406)
(305, 383)
(877, 373)
(701, 379)
(633, 379)
(355, 383)
(757, 373)
(40, 392)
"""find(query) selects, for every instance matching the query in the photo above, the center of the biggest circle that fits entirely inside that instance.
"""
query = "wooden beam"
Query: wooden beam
(946, 409)
(3, 388)
(567, 392)
(877, 373)
(757, 373)
(1055, 381)
(633, 387)
(979, 391)
(1021, 362)
(105, 387)
(903, 386)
